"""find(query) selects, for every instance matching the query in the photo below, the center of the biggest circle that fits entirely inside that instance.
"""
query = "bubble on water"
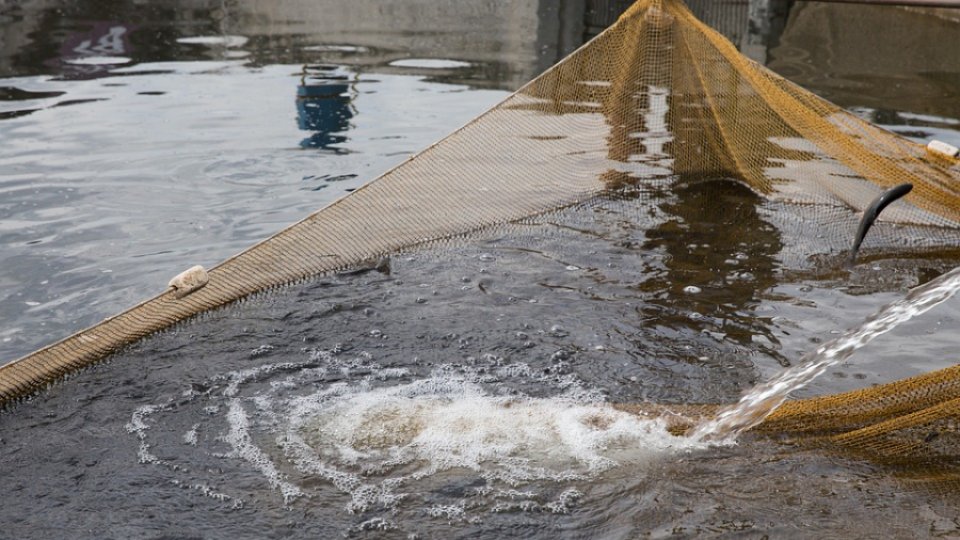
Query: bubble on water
(190, 437)
(516, 506)
(692, 289)
(261, 350)
(565, 501)
(208, 491)
(558, 331)
(238, 437)
(443, 423)
(138, 426)
(238, 378)
(448, 511)
(375, 524)
(385, 437)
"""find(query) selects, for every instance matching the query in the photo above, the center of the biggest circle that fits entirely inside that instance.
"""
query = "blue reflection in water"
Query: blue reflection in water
(324, 106)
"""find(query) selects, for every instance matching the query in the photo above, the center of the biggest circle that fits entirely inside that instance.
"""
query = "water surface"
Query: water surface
(464, 390)
(372, 403)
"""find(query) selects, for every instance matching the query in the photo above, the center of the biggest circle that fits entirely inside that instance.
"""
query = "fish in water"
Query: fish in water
(873, 211)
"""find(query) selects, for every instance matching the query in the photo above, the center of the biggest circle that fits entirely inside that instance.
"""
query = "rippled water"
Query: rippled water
(116, 174)
(171, 164)
(476, 390)
(383, 440)
(372, 402)
(138, 141)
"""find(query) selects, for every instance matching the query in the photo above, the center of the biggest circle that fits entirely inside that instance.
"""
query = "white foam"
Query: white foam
(243, 447)
(237, 378)
(447, 511)
(190, 437)
(376, 524)
(382, 439)
(138, 426)
(442, 423)
(207, 491)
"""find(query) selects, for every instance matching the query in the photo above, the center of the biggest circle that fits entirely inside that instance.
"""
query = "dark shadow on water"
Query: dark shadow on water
(12, 93)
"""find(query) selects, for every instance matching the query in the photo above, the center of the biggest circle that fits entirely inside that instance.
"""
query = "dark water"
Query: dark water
(191, 145)
(465, 394)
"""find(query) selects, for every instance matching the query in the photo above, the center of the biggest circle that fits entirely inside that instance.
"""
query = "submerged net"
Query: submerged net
(657, 96)
(910, 425)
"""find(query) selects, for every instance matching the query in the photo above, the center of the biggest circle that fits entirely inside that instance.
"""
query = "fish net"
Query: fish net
(911, 426)
(656, 97)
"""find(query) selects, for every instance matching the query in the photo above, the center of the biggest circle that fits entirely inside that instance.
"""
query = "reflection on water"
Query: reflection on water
(92, 54)
(323, 105)
(898, 66)
(504, 44)
(111, 186)
(141, 139)
(721, 256)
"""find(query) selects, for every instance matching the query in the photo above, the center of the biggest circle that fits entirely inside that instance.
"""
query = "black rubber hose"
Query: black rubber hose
(873, 211)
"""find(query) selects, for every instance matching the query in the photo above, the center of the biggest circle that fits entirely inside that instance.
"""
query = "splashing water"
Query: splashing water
(452, 443)
(763, 399)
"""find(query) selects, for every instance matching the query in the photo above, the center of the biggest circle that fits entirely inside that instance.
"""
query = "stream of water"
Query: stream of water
(763, 399)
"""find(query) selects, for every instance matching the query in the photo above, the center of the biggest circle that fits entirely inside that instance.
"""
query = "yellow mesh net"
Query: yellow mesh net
(910, 425)
(657, 95)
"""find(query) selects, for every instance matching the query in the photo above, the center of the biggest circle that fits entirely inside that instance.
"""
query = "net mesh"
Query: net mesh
(657, 95)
